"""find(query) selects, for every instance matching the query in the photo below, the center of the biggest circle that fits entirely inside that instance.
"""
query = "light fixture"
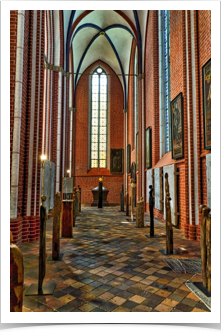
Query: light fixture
(43, 157)
(68, 171)
(100, 179)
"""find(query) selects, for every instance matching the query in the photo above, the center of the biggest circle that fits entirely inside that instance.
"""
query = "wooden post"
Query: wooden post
(208, 246)
(56, 227)
(80, 198)
(151, 203)
(204, 210)
(100, 194)
(122, 199)
(127, 203)
(140, 213)
(16, 277)
(133, 186)
(169, 228)
(42, 245)
(74, 207)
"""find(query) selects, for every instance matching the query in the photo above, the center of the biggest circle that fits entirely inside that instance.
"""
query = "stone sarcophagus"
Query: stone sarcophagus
(95, 193)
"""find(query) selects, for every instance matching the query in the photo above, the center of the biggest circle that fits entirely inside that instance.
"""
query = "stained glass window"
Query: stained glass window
(99, 119)
(166, 76)
(135, 95)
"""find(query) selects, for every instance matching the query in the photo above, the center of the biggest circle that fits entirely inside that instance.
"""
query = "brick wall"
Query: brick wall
(180, 49)
(88, 179)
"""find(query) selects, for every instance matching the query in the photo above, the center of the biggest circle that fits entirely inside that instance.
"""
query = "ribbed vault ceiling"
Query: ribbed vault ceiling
(101, 48)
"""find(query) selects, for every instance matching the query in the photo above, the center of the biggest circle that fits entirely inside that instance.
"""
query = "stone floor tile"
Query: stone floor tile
(87, 307)
(202, 306)
(97, 309)
(86, 288)
(151, 289)
(106, 296)
(183, 307)
(198, 310)
(175, 297)
(153, 301)
(109, 259)
(117, 300)
(45, 308)
(108, 306)
(137, 299)
(163, 308)
(193, 297)
(189, 302)
(66, 298)
(129, 304)
(121, 309)
(170, 303)
(141, 308)
(87, 297)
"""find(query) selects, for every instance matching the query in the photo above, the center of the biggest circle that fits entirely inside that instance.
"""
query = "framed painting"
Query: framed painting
(137, 151)
(177, 127)
(117, 161)
(128, 158)
(148, 157)
(206, 76)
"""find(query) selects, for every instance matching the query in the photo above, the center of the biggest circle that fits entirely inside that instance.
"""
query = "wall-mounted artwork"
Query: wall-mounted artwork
(177, 127)
(128, 158)
(137, 151)
(207, 104)
(148, 157)
(117, 161)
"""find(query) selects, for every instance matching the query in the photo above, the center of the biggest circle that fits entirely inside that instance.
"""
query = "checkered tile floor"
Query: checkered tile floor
(110, 265)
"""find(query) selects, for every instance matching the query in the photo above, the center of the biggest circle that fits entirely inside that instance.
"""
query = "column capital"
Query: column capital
(140, 76)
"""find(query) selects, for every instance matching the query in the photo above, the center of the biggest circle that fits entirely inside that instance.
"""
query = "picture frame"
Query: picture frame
(117, 161)
(148, 148)
(177, 127)
(206, 81)
(128, 158)
(137, 151)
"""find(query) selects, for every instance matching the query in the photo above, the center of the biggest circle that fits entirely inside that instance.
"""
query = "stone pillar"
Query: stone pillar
(16, 277)
(56, 227)
(140, 213)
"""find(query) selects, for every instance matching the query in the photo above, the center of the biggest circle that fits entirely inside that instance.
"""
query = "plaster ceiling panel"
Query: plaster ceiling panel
(122, 41)
(80, 43)
(67, 15)
(78, 13)
(104, 18)
(130, 15)
(142, 16)
(101, 50)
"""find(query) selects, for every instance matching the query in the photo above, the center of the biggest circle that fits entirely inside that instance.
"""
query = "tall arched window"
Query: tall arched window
(135, 95)
(164, 68)
(99, 119)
